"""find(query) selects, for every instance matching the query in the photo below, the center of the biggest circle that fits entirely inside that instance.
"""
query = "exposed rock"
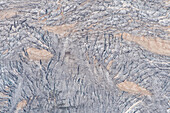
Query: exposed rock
(62, 30)
(155, 45)
(7, 14)
(37, 54)
(133, 88)
(20, 105)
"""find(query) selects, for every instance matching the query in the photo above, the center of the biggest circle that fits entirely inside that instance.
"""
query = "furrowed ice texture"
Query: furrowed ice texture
(84, 56)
